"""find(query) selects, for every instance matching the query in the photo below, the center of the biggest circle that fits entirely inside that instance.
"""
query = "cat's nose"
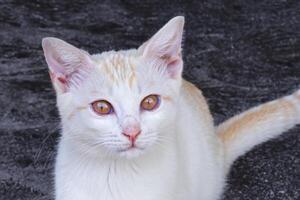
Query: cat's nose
(132, 133)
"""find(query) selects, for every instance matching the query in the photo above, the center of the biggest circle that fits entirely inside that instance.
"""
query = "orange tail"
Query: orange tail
(259, 124)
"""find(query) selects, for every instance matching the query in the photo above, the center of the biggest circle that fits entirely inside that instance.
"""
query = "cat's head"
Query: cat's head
(118, 103)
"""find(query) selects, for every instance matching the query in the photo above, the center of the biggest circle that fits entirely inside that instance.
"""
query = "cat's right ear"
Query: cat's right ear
(165, 47)
(67, 64)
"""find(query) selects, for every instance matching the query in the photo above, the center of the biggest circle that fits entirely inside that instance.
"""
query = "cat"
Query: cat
(134, 129)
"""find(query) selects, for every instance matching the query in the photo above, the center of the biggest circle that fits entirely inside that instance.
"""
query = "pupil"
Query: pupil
(102, 107)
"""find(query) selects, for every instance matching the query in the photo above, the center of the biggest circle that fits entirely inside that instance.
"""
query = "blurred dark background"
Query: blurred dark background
(240, 53)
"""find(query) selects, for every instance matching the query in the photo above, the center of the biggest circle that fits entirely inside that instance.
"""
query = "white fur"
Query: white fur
(179, 156)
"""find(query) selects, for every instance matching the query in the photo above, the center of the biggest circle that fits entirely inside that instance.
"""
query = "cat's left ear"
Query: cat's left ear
(165, 47)
(67, 64)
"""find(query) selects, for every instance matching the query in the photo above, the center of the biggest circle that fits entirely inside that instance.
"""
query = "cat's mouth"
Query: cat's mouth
(131, 148)
(131, 151)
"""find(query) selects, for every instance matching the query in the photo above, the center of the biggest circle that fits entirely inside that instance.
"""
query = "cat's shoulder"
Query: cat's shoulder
(194, 96)
(192, 91)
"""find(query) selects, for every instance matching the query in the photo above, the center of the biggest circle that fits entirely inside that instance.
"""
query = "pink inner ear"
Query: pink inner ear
(174, 65)
(165, 45)
(57, 72)
(68, 65)
(61, 81)
(174, 68)
(53, 59)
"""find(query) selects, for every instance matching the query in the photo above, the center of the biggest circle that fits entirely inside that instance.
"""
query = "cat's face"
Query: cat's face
(118, 103)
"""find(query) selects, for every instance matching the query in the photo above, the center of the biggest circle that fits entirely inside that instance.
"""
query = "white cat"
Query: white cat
(133, 129)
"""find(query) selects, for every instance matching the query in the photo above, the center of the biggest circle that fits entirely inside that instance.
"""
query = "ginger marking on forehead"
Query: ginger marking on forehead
(108, 71)
(120, 68)
(131, 79)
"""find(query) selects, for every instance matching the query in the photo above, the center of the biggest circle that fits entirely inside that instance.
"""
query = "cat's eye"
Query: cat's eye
(150, 102)
(102, 107)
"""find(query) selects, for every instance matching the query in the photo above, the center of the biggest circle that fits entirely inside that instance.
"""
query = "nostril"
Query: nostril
(137, 134)
(126, 134)
(132, 135)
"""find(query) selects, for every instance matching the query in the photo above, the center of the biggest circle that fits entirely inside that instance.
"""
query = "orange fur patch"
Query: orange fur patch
(131, 80)
(297, 95)
(119, 69)
(197, 99)
(167, 98)
(239, 123)
(108, 71)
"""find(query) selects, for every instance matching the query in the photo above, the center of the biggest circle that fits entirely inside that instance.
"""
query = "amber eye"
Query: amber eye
(102, 107)
(150, 102)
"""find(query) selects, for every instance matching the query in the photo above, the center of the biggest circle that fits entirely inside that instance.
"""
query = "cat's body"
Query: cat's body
(174, 171)
(178, 153)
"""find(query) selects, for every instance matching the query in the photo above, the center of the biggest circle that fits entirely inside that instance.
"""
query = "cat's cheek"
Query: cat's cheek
(159, 119)
(97, 123)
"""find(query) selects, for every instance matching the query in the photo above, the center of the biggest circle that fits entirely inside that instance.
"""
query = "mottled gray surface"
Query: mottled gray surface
(241, 53)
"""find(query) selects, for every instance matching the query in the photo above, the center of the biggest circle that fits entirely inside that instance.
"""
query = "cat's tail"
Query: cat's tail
(259, 124)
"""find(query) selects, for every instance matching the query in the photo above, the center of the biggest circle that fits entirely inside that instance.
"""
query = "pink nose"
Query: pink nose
(132, 133)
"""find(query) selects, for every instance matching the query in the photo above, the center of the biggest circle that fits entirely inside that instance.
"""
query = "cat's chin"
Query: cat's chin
(131, 152)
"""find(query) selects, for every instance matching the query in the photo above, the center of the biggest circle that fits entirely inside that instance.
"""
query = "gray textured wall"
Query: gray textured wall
(240, 53)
